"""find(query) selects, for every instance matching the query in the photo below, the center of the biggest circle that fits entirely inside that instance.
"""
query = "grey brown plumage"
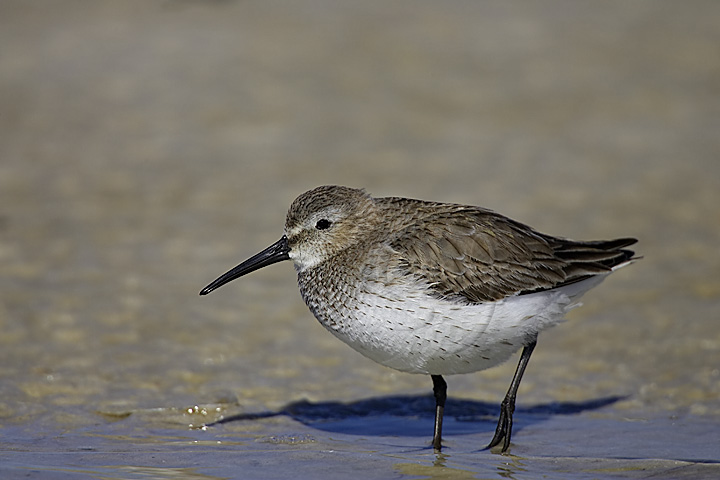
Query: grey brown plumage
(481, 256)
(433, 288)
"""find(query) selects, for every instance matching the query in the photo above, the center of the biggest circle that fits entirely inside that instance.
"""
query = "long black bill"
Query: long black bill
(277, 252)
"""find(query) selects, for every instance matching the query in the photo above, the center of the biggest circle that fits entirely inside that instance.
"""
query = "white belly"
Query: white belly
(401, 328)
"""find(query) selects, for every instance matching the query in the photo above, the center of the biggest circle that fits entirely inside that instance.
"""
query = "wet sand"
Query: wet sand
(147, 147)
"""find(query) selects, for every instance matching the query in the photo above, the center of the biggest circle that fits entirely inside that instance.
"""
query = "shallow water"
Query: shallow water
(147, 147)
(365, 441)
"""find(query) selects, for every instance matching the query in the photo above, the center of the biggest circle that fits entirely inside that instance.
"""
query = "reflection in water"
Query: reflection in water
(438, 470)
(510, 468)
(442, 468)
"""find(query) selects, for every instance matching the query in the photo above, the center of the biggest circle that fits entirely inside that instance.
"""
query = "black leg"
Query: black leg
(440, 392)
(507, 407)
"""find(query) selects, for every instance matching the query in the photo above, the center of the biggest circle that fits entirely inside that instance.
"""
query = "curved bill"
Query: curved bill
(277, 252)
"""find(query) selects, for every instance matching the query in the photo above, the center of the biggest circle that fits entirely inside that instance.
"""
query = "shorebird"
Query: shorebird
(433, 288)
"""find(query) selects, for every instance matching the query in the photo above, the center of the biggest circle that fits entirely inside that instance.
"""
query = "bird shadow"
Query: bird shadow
(412, 415)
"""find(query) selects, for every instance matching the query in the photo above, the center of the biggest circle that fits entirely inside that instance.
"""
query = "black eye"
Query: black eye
(323, 224)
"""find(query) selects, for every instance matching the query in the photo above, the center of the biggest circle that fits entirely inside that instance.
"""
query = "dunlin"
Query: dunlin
(433, 288)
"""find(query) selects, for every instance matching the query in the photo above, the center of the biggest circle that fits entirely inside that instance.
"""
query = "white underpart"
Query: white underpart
(400, 327)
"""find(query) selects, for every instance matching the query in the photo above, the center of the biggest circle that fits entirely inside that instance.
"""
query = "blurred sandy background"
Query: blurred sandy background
(148, 146)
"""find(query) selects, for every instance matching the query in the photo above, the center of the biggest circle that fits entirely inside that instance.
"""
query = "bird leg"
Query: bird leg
(440, 392)
(507, 407)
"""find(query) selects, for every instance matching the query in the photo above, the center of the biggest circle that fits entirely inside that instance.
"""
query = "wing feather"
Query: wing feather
(482, 256)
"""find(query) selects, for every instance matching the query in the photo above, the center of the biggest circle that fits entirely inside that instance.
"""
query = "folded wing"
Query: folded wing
(482, 256)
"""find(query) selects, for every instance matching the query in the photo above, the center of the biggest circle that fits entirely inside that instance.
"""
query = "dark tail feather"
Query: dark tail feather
(585, 259)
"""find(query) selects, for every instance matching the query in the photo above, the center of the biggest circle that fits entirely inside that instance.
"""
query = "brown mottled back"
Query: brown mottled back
(481, 256)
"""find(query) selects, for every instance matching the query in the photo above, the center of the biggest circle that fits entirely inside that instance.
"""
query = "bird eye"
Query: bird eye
(323, 224)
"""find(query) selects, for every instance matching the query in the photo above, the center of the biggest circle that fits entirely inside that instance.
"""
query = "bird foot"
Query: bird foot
(503, 432)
